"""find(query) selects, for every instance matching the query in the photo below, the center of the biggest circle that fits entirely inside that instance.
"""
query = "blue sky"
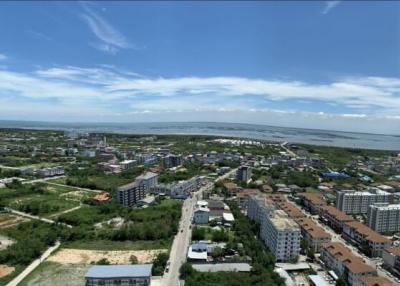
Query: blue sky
(316, 64)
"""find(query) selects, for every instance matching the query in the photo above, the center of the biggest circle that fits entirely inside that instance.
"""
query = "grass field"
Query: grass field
(52, 273)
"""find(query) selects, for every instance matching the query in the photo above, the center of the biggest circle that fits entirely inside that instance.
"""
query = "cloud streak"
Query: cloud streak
(110, 39)
(329, 5)
(3, 57)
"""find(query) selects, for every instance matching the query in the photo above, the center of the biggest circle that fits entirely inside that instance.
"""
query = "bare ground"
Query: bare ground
(81, 256)
(5, 270)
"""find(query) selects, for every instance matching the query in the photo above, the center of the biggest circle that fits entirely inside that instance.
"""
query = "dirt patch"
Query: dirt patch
(5, 270)
(74, 195)
(8, 220)
(81, 256)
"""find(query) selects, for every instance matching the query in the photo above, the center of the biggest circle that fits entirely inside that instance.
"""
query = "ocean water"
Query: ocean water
(253, 131)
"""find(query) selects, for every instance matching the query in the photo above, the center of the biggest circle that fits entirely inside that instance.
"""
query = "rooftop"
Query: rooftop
(344, 255)
(376, 281)
(312, 228)
(337, 214)
(367, 232)
(119, 271)
(229, 267)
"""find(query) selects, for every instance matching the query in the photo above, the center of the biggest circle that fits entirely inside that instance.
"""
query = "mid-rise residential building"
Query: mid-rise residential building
(181, 189)
(345, 264)
(291, 210)
(119, 275)
(313, 233)
(243, 173)
(130, 194)
(391, 259)
(149, 180)
(170, 161)
(367, 240)
(281, 235)
(357, 202)
(384, 217)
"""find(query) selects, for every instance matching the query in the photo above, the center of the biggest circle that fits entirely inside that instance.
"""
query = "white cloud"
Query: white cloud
(329, 5)
(3, 57)
(371, 94)
(111, 40)
(109, 91)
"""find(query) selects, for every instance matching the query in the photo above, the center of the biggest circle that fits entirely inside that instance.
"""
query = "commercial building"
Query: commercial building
(243, 173)
(312, 201)
(291, 210)
(384, 217)
(345, 264)
(334, 218)
(119, 275)
(130, 194)
(357, 202)
(313, 233)
(369, 241)
(181, 189)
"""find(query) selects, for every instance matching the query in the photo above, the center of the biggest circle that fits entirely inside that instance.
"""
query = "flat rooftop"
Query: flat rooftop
(118, 271)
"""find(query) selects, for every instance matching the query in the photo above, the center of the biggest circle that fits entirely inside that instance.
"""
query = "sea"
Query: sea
(238, 130)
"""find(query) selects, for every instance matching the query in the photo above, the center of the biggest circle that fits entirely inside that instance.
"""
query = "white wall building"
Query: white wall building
(384, 217)
(280, 233)
(357, 202)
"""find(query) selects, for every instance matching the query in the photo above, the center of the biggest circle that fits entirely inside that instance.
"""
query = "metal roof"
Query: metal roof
(114, 271)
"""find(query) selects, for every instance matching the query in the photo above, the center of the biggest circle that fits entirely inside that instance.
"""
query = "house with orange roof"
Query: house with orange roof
(367, 240)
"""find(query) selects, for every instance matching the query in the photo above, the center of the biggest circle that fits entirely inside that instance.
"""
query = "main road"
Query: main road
(182, 239)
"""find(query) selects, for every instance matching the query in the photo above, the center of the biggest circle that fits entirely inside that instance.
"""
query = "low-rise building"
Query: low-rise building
(313, 233)
(312, 201)
(50, 172)
(369, 241)
(376, 281)
(201, 215)
(384, 217)
(243, 195)
(391, 258)
(119, 275)
(231, 188)
(334, 218)
(345, 264)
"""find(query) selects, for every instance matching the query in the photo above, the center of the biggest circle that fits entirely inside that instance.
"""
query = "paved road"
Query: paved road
(42, 180)
(67, 211)
(337, 238)
(283, 145)
(34, 217)
(75, 188)
(181, 241)
(33, 265)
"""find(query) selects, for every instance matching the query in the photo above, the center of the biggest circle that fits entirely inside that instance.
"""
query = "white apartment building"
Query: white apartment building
(357, 202)
(384, 217)
(279, 233)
